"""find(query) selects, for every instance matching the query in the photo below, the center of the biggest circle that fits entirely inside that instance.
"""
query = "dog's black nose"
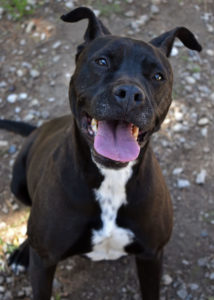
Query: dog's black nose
(128, 95)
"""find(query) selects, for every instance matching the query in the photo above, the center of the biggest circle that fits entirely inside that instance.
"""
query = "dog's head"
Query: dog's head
(121, 89)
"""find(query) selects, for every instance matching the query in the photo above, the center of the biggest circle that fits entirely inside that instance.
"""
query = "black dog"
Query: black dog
(91, 178)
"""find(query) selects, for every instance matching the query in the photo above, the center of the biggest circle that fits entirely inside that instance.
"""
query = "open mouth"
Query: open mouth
(115, 140)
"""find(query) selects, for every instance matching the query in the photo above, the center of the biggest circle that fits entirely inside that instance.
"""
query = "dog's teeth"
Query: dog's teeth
(94, 126)
(135, 132)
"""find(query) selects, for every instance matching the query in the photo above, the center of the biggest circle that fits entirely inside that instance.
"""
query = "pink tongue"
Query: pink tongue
(115, 141)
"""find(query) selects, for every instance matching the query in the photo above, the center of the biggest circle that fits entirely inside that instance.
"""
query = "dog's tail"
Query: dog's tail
(21, 128)
(19, 259)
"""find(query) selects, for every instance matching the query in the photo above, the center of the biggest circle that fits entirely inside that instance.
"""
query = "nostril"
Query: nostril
(121, 93)
(138, 97)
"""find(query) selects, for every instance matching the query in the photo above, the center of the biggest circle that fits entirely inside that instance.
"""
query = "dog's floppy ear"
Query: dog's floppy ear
(165, 41)
(95, 26)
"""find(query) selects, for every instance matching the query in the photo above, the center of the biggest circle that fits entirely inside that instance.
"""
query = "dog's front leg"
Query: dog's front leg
(41, 277)
(149, 274)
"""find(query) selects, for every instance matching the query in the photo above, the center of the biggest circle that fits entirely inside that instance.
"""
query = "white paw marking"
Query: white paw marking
(109, 241)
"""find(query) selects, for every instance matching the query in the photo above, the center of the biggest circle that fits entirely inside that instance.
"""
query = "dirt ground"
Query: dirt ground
(36, 61)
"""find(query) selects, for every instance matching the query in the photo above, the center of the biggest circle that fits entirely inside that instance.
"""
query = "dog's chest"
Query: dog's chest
(109, 241)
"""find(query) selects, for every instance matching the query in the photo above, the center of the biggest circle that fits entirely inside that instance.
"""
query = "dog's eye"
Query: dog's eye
(158, 77)
(102, 62)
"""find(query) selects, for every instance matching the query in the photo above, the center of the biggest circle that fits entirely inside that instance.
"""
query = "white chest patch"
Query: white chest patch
(110, 240)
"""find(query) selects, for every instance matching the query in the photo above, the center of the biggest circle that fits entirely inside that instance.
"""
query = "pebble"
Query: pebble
(177, 171)
(22, 96)
(203, 121)
(142, 20)
(69, 4)
(201, 177)
(51, 99)
(12, 149)
(210, 52)
(4, 143)
(2, 289)
(30, 27)
(212, 276)
(34, 73)
(174, 51)
(28, 117)
(194, 286)
(12, 98)
(202, 262)
(190, 80)
(183, 183)
(178, 116)
(182, 293)
(20, 73)
(167, 279)
(179, 128)
(57, 44)
(204, 131)
(3, 84)
(130, 13)
(154, 9)
(21, 294)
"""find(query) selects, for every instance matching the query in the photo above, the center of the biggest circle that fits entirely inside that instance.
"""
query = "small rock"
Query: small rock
(130, 13)
(185, 262)
(20, 73)
(178, 116)
(212, 276)
(3, 143)
(203, 121)
(45, 114)
(28, 117)
(190, 80)
(57, 44)
(56, 58)
(2, 289)
(183, 183)
(194, 286)
(22, 96)
(167, 279)
(12, 149)
(3, 84)
(15, 207)
(5, 209)
(34, 73)
(174, 51)
(179, 128)
(182, 293)
(202, 262)
(69, 4)
(200, 178)
(177, 171)
(51, 99)
(43, 36)
(204, 233)
(204, 131)
(12, 98)
(21, 294)
(154, 9)
(22, 42)
(210, 52)
(35, 102)
(30, 27)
